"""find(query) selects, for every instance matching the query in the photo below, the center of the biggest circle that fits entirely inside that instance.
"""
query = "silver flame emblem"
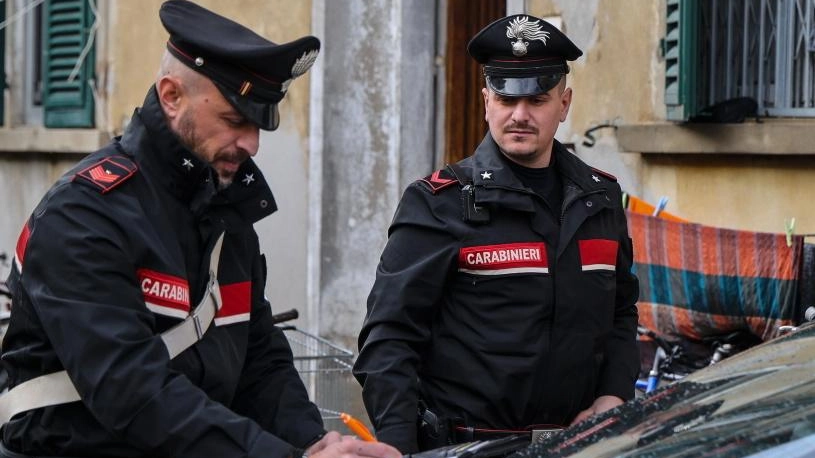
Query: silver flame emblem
(522, 29)
(301, 66)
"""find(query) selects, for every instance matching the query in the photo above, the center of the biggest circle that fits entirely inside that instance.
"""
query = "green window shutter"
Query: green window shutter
(2, 63)
(66, 31)
(682, 47)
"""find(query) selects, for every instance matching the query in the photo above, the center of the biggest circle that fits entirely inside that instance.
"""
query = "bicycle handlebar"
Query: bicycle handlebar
(667, 346)
(288, 315)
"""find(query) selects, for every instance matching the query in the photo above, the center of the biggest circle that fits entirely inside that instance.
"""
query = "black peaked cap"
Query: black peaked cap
(251, 72)
(522, 55)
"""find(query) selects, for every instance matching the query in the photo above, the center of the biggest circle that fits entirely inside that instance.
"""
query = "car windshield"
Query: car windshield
(746, 404)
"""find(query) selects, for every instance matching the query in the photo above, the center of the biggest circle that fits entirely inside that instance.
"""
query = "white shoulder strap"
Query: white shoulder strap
(57, 388)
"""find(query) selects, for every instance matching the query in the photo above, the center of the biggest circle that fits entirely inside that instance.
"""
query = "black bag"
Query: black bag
(728, 111)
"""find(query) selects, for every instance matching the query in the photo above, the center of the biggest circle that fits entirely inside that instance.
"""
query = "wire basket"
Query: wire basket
(326, 372)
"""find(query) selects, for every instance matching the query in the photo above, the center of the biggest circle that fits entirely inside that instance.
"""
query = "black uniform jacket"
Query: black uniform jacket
(521, 320)
(117, 252)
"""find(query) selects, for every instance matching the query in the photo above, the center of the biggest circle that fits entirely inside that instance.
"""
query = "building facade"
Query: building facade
(393, 96)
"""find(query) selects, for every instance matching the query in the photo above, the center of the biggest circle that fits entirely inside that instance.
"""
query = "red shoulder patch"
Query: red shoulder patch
(439, 180)
(107, 173)
(22, 244)
(605, 174)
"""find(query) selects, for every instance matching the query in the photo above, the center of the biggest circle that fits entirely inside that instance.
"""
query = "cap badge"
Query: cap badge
(520, 29)
(301, 66)
(199, 61)
(304, 62)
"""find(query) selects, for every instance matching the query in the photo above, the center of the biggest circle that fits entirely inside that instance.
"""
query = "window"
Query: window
(52, 64)
(68, 63)
(717, 50)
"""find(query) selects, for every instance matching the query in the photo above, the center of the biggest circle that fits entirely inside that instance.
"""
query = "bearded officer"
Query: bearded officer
(139, 326)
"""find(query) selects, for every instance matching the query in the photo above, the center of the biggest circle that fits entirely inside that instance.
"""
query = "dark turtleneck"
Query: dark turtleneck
(545, 182)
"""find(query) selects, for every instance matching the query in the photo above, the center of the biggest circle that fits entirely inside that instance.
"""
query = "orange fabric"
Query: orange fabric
(637, 205)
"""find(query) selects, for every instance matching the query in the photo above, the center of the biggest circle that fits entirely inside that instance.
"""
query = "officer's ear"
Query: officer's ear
(486, 93)
(170, 89)
(565, 103)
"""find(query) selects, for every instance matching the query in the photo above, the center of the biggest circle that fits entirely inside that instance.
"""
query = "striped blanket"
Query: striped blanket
(698, 281)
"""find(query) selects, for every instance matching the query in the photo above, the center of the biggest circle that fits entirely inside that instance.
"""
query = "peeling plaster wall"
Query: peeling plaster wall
(755, 193)
(377, 119)
(24, 179)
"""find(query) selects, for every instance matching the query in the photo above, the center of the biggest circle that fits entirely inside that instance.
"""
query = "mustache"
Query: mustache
(520, 127)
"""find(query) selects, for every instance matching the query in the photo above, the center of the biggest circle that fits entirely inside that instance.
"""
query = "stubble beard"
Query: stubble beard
(522, 155)
(188, 134)
(519, 153)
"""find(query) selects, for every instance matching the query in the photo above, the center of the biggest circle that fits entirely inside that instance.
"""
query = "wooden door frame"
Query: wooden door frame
(463, 116)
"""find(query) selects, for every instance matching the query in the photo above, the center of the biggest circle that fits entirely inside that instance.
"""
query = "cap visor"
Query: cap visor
(522, 87)
(262, 114)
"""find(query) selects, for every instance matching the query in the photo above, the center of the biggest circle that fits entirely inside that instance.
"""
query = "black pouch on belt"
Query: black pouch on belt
(432, 429)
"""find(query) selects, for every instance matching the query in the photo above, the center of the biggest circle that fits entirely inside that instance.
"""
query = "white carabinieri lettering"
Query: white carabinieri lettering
(165, 294)
(504, 259)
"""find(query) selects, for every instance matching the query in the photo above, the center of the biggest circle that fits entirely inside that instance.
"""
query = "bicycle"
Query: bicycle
(5, 294)
(665, 354)
(673, 360)
(5, 310)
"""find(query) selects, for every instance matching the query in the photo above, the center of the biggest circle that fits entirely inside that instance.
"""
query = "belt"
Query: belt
(536, 434)
(6, 453)
(57, 388)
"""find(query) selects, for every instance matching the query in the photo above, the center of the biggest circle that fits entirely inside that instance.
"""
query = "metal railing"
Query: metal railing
(761, 49)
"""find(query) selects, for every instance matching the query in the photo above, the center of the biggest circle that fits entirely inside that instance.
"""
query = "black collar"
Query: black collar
(490, 170)
(157, 149)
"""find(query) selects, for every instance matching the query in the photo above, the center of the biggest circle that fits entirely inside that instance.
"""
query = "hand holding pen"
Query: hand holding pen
(357, 427)
(350, 447)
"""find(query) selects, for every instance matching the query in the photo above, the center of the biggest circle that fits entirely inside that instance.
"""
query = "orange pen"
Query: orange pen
(357, 427)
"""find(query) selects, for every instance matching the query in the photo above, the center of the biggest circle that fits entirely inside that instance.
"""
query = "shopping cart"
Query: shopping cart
(5, 294)
(326, 372)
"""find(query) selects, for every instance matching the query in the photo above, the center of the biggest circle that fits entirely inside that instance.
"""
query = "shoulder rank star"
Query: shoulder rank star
(486, 175)
(187, 163)
(248, 179)
(594, 177)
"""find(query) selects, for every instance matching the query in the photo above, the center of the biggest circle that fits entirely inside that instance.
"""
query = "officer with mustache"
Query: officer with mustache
(504, 301)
